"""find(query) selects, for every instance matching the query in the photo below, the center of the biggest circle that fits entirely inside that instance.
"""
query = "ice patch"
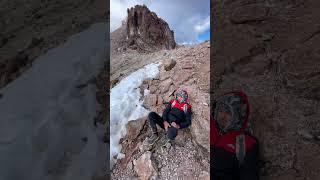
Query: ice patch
(44, 115)
(125, 105)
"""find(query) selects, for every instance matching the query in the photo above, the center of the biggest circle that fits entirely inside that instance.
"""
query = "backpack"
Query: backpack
(234, 138)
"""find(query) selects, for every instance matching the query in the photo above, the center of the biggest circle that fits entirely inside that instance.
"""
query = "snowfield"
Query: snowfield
(125, 106)
(45, 115)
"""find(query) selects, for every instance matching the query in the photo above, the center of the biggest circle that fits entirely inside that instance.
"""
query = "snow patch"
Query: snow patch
(44, 114)
(146, 92)
(125, 105)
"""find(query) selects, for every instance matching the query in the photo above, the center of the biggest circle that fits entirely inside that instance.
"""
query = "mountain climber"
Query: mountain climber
(177, 115)
(234, 150)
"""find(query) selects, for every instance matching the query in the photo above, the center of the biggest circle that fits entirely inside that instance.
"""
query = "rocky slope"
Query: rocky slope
(186, 67)
(270, 49)
(30, 28)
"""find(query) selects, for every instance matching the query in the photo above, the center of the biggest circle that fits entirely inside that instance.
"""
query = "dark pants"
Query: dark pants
(155, 119)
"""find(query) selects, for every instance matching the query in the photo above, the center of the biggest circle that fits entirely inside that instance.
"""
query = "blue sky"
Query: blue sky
(190, 20)
(204, 36)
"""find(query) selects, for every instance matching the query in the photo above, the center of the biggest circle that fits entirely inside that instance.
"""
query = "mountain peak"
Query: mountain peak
(144, 31)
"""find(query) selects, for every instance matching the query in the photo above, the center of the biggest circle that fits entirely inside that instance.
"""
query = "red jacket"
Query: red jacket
(225, 163)
(179, 113)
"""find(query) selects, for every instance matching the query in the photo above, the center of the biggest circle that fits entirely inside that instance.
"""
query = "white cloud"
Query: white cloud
(187, 19)
(203, 26)
(118, 12)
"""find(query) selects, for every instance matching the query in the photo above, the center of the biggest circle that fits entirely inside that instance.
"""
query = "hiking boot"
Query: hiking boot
(153, 138)
(166, 142)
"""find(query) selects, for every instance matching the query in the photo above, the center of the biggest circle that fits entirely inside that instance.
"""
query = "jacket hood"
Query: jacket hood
(236, 104)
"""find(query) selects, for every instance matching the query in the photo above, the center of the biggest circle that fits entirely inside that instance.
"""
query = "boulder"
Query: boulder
(153, 89)
(134, 128)
(200, 128)
(164, 75)
(150, 100)
(165, 85)
(144, 168)
(160, 100)
(169, 64)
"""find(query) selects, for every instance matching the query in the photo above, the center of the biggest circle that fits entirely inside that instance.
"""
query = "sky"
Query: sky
(190, 20)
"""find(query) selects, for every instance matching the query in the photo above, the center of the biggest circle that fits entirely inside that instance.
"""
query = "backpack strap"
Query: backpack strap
(185, 108)
(173, 103)
(240, 148)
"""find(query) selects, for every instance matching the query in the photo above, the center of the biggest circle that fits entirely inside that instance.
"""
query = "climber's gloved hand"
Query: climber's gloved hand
(166, 125)
(175, 125)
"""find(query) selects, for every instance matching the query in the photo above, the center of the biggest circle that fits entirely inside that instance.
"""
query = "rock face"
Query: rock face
(29, 31)
(143, 31)
(270, 49)
(135, 127)
(144, 28)
(144, 167)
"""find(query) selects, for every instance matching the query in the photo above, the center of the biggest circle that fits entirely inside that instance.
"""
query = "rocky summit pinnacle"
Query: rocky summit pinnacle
(143, 31)
(146, 28)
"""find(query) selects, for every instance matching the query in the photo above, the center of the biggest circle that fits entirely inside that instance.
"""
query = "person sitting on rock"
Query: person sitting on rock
(234, 151)
(177, 115)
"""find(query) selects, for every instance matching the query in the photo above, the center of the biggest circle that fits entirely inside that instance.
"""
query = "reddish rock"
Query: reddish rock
(200, 128)
(150, 100)
(143, 166)
(164, 75)
(187, 65)
(169, 64)
(160, 100)
(153, 89)
(182, 76)
(134, 127)
(165, 85)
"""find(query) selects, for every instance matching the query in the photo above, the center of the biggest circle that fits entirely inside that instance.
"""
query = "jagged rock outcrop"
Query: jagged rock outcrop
(143, 31)
(270, 49)
(146, 30)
